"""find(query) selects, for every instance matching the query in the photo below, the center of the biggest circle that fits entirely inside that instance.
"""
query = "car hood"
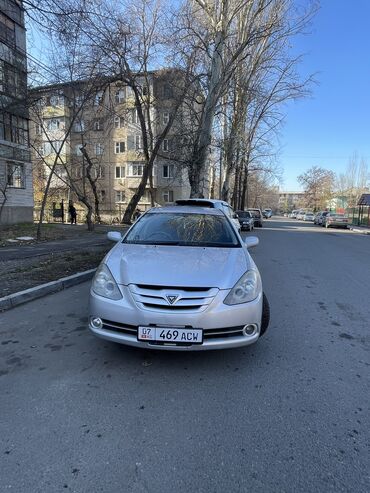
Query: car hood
(178, 265)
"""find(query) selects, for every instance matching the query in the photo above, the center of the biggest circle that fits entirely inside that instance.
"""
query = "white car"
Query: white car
(180, 279)
(309, 216)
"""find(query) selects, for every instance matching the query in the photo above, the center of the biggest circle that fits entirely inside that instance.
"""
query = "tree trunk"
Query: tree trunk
(43, 203)
(93, 186)
(132, 205)
(198, 173)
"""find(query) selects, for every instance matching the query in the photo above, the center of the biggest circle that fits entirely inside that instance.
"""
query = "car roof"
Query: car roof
(186, 209)
(198, 202)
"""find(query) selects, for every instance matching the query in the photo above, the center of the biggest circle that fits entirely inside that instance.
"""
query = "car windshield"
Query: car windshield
(198, 230)
(255, 213)
(244, 214)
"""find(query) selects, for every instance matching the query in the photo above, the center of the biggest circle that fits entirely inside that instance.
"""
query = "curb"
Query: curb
(15, 299)
(363, 231)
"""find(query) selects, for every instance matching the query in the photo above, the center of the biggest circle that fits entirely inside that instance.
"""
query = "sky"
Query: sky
(329, 127)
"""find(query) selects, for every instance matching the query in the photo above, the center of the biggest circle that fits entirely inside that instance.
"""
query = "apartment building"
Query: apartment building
(289, 201)
(16, 193)
(91, 129)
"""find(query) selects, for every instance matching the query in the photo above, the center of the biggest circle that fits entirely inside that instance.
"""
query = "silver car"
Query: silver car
(180, 279)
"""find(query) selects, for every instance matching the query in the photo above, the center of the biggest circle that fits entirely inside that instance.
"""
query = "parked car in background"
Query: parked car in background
(180, 279)
(213, 204)
(246, 220)
(267, 213)
(293, 214)
(257, 216)
(320, 218)
(333, 219)
(308, 216)
(300, 215)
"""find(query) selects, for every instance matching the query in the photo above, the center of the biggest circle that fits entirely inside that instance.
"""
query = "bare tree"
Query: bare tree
(355, 181)
(233, 36)
(318, 184)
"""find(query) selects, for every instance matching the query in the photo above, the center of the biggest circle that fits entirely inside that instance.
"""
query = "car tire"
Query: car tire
(265, 315)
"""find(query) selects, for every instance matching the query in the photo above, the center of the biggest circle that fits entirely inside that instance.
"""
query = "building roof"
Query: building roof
(364, 199)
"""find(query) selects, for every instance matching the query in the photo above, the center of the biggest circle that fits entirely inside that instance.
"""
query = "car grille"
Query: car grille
(208, 334)
(171, 298)
(118, 327)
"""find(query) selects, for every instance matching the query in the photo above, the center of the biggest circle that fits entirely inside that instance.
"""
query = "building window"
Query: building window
(119, 122)
(120, 196)
(56, 100)
(119, 96)
(98, 124)
(167, 91)
(56, 146)
(7, 29)
(55, 124)
(168, 196)
(79, 126)
(98, 99)
(13, 128)
(165, 117)
(168, 170)
(38, 129)
(15, 175)
(52, 147)
(146, 196)
(119, 147)
(165, 146)
(78, 100)
(102, 195)
(99, 149)
(99, 172)
(138, 143)
(136, 170)
(134, 116)
(120, 171)
(78, 151)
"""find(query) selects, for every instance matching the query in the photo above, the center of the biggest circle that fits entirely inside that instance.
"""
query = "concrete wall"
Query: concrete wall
(12, 215)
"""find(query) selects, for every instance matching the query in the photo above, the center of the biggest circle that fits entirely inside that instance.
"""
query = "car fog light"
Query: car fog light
(250, 330)
(96, 322)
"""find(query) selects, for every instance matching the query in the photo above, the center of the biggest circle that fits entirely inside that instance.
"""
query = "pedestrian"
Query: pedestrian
(72, 213)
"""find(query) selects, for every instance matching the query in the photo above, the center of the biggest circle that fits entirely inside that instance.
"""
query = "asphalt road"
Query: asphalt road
(289, 414)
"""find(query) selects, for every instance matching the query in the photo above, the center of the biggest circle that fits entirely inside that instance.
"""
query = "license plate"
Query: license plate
(171, 335)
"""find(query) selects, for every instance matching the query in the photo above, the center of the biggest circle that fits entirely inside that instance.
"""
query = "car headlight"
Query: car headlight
(104, 284)
(246, 289)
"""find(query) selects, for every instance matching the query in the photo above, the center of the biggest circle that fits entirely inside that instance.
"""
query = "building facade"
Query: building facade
(90, 134)
(16, 192)
(289, 201)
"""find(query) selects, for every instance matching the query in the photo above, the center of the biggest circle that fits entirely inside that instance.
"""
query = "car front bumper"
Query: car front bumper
(223, 325)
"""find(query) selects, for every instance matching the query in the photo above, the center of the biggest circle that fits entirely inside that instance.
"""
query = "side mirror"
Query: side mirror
(114, 236)
(251, 241)
(235, 216)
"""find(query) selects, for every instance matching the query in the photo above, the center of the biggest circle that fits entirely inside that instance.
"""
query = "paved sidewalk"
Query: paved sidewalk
(360, 229)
